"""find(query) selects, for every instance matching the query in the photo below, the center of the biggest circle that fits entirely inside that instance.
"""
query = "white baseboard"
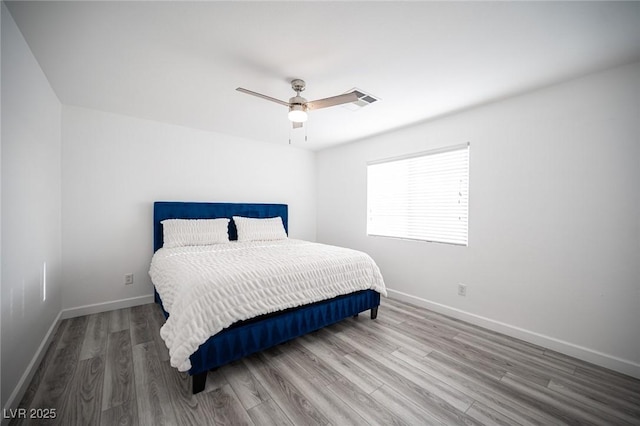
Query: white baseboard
(25, 380)
(595, 357)
(106, 306)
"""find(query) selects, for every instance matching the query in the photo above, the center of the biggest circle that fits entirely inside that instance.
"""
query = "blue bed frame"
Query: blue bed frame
(247, 337)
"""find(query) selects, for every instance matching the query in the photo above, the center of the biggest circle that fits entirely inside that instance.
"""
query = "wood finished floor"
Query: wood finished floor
(410, 366)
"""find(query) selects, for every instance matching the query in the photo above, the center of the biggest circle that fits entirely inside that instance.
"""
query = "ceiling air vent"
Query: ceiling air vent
(364, 99)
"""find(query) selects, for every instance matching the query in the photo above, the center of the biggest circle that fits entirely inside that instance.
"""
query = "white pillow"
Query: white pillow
(252, 229)
(194, 232)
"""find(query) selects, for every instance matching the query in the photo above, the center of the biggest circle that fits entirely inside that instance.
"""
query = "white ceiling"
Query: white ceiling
(180, 62)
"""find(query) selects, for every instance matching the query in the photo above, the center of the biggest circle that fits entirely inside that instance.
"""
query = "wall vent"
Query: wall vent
(364, 99)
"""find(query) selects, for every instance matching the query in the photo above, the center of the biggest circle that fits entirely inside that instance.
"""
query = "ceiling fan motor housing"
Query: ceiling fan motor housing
(298, 100)
(298, 85)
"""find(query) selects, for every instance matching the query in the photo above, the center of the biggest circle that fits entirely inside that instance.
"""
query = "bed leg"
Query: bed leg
(355, 316)
(199, 382)
(374, 313)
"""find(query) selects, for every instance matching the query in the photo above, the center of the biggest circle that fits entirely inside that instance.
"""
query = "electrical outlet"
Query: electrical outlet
(128, 279)
(462, 289)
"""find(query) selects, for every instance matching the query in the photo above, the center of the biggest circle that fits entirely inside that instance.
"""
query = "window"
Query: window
(424, 196)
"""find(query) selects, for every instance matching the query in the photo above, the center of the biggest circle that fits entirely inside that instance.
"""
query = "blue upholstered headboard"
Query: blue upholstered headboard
(187, 210)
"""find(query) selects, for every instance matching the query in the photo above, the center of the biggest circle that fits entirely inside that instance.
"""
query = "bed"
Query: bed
(263, 331)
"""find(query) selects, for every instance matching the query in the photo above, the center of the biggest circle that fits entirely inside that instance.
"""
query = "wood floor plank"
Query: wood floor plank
(227, 409)
(216, 379)
(493, 336)
(615, 408)
(596, 387)
(404, 309)
(154, 407)
(489, 416)
(491, 360)
(395, 338)
(438, 391)
(622, 401)
(330, 405)
(439, 408)
(119, 375)
(75, 329)
(297, 408)
(528, 370)
(139, 324)
(603, 386)
(268, 413)
(83, 402)
(539, 360)
(249, 390)
(95, 339)
(320, 372)
(603, 375)
(491, 391)
(198, 409)
(433, 328)
(350, 333)
(119, 320)
(614, 379)
(325, 349)
(125, 414)
(406, 410)
(194, 409)
(571, 411)
(338, 346)
(59, 375)
(365, 405)
(483, 389)
(466, 354)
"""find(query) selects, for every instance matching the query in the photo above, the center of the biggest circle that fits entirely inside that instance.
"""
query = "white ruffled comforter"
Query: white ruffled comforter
(207, 288)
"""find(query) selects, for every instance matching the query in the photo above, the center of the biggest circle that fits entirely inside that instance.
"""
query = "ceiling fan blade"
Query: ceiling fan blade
(296, 124)
(332, 101)
(260, 95)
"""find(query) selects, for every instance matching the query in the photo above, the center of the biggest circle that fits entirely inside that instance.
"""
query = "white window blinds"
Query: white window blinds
(422, 197)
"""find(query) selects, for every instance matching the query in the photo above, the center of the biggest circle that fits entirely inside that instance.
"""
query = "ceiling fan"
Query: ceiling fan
(298, 106)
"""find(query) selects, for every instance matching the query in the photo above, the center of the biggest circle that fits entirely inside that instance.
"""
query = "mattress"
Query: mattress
(205, 289)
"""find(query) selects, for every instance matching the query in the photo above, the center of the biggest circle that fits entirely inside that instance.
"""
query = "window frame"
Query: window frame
(463, 190)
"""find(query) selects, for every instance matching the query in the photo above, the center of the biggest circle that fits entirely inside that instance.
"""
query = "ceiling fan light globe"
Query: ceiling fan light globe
(297, 114)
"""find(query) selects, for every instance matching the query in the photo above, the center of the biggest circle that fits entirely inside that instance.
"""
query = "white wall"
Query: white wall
(554, 239)
(31, 207)
(115, 167)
